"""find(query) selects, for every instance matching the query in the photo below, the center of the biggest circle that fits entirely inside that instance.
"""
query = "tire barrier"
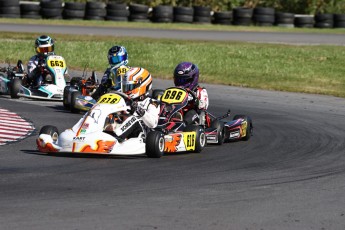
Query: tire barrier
(222, 18)
(117, 12)
(74, 10)
(304, 22)
(242, 16)
(284, 19)
(339, 20)
(264, 16)
(95, 11)
(9, 9)
(162, 13)
(138, 13)
(51, 9)
(183, 14)
(323, 20)
(202, 14)
(30, 10)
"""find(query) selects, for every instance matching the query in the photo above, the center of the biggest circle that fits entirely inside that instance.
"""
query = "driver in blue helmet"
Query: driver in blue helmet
(118, 60)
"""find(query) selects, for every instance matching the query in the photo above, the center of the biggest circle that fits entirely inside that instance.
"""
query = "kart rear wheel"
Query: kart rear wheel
(216, 124)
(249, 129)
(74, 96)
(15, 87)
(200, 136)
(155, 144)
(50, 130)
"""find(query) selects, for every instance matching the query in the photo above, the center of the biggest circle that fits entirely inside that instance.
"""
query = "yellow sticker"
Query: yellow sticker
(110, 98)
(244, 128)
(174, 95)
(189, 139)
(56, 63)
(121, 70)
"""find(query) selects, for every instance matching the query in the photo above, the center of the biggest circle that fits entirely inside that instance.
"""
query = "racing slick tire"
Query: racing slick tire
(15, 87)
(216, 124)
(65, 97)
(74, 96)
(157, 93)
(249, 130)
(155, 144)
(50, 130)
(200, 136)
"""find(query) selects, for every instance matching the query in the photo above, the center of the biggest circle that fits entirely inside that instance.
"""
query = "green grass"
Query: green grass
(309, 69)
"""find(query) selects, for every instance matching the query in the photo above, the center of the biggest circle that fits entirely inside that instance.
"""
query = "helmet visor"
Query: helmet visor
(182, 80)
(113, 60)
(129, 86)
(44, 49)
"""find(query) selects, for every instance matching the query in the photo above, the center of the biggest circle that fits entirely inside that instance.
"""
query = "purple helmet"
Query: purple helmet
(186, 75)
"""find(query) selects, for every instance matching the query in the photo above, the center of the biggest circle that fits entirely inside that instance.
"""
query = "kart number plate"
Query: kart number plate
(110, 99)
(189, 139)
(56, 63)
(174, 95)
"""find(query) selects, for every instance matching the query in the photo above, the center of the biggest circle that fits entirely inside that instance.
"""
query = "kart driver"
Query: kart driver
(44, 46)
(137, 83)
(118, 60)
(186, 75)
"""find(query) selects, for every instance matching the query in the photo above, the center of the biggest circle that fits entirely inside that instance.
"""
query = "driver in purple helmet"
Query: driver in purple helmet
(186, 75)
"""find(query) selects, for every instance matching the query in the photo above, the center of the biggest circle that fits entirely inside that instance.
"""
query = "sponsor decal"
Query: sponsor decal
(78, 139)
(235, 134)
(85, 126)
(180, 72)
(128, 124)
(171, 142)
(83, 131)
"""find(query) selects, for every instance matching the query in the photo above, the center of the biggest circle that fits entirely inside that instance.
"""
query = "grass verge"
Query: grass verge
(308, 69)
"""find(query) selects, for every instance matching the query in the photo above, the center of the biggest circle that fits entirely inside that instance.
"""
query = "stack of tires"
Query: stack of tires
(74, 10)
(183, 14)
(51, 9)
(138, 13)
(324, 21)
(162, 13)
(95, 11)
(222, 18)
(284, 19)
(30, 10)
(339, 20)
(242, 16)
(202, 14)
(9, 9)
(264, 16)
(304, 21)
(117, 12)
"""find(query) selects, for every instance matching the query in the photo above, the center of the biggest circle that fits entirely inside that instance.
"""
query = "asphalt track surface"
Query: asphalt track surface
(289, 175)
(262, 37)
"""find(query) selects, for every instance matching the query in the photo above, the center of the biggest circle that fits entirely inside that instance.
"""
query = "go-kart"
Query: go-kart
(51, 80)
(79, 89)
(178, 136)
(82, 96)
(7, 76)
(217, 131)
(90, 136)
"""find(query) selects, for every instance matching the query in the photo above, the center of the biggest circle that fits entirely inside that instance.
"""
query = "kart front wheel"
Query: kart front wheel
(15, 87)
(216, 124)
(51, 131)
(65, 97)
(155, 144)
(74, 96)
(200, 140)
(249, 128)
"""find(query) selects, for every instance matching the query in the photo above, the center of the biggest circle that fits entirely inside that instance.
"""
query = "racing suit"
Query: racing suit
(148, 110)
(33, 72)
(197, 104)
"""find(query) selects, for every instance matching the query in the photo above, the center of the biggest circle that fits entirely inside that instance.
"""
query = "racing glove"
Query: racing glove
(140, 111)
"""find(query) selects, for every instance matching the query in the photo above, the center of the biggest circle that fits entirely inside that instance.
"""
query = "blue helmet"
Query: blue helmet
(186, 75)
(117, 56)
(44, 45)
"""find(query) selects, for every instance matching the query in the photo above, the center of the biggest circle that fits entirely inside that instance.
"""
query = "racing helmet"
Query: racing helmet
(137, 82)
(44, 45)
(117, 56)
(186, 75)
